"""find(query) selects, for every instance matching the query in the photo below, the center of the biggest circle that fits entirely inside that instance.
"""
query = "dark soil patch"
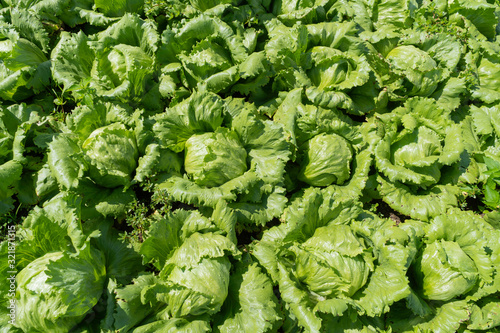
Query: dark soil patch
(385, 211)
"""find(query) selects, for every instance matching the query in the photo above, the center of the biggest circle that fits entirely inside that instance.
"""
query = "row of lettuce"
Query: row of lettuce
(278, 127)
(337, 267)
(204, 149)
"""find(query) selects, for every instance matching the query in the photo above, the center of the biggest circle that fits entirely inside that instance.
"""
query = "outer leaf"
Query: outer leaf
(423, 206)
(100, 201)
(129, 30)
(269, 206)
(251, 305)
(10, 174)
(200, 246)
(66, 161)
(74, 75)
(480, 13)
(486, 120)
(184, 190)
(24, 70)
(119, 7)
(488, 73)
(30, 27)
(486, 315)
(156, 160)
(265, 144)
(447, 319)
(126, 307)
(174, 325)
(122, 262)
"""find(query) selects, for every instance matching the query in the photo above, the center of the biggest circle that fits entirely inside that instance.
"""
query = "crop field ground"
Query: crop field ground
(249, 166)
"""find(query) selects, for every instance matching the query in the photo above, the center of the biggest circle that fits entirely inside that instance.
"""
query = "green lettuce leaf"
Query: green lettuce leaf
(200, 113)
(66, 161)
(24, 68)
(125, 308)
(174, 325)
(484, 315)
(24, 133)
(118, 8)
(450, 271)
(251, 305)
(122, 261)
(40, 284)
(195, 279)
(73, 75)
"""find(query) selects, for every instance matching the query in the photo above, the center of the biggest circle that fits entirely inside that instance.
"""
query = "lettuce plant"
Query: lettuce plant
(41, 283)
(330, 150)
(462, 250)
(103, 159)
(229, 162)
(205, 53)
(189, 248)
(328, 60)
(418, 142)
(323, 259)
(61, 274)
(421, 65)
(118, 63)
(242, 162)
(469, 245)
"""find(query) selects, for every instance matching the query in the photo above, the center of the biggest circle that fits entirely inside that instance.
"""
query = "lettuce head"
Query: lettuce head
(214, 158)
(113, 153)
